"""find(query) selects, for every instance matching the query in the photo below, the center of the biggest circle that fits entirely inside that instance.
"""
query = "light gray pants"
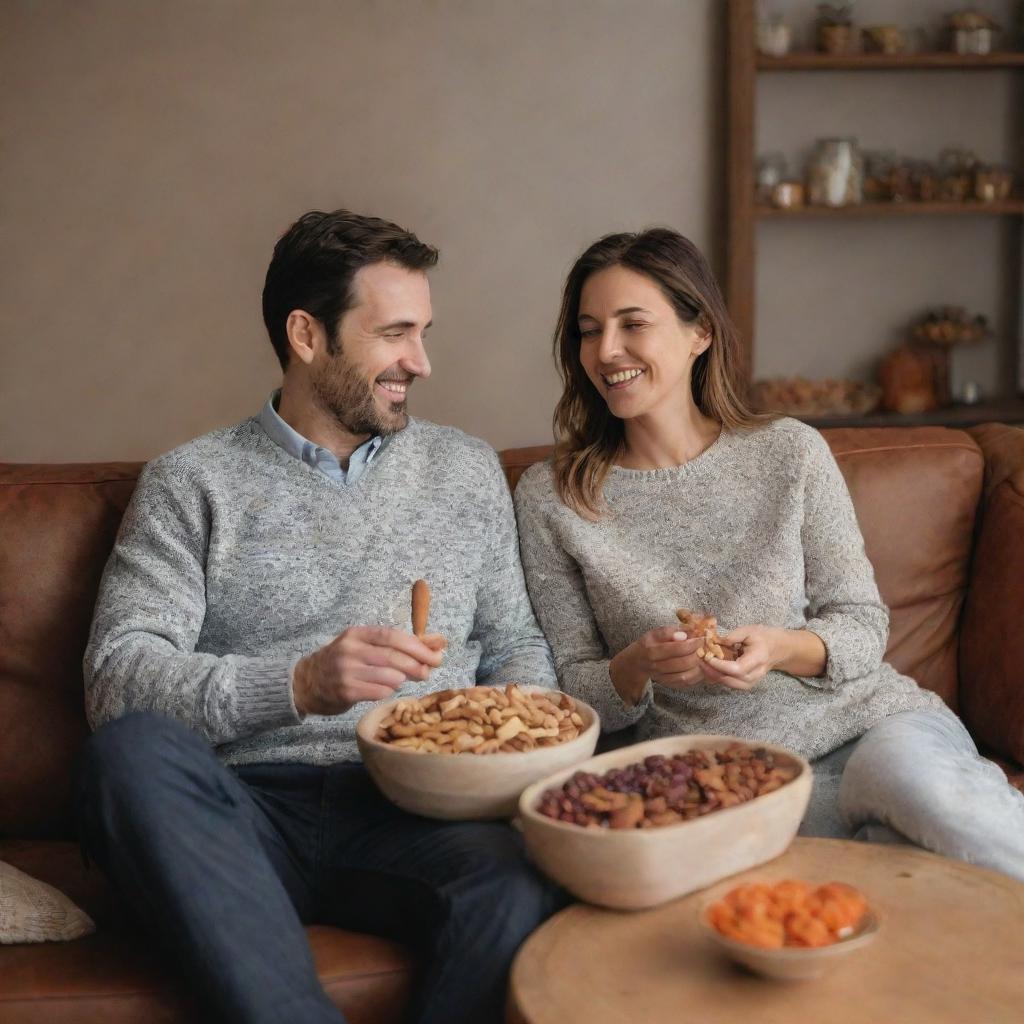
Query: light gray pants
(918, 778)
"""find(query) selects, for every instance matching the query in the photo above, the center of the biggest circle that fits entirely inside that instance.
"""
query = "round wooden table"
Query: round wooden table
(950, 949)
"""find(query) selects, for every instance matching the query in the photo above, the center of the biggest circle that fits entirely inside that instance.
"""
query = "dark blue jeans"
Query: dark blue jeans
(226, 865)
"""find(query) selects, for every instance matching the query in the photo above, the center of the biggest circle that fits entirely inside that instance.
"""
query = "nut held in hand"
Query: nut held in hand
(420, 606)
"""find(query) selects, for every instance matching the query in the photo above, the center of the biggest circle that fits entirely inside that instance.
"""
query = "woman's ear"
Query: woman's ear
(703, 336)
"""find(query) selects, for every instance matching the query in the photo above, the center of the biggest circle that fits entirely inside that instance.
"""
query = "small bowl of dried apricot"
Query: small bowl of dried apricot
(790, 930)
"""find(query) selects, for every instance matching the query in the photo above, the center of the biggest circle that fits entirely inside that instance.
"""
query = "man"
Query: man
(256, 599)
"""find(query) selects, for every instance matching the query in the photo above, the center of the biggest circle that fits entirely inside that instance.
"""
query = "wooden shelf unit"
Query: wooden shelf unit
(1010, 410)
(972, 208)
(744, 65)
(889, 61)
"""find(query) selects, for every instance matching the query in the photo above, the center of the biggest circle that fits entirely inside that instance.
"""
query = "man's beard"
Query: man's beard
(341, 390)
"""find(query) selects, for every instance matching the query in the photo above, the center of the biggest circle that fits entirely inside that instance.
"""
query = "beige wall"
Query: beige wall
(153, 152)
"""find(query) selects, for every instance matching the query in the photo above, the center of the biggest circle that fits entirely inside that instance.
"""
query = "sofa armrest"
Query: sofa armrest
(991, 638)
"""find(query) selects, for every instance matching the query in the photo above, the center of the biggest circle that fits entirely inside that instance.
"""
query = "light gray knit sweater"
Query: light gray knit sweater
(758, 529)
(234, 559)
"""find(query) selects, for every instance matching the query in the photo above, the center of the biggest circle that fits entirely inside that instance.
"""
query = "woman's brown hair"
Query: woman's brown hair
(587, 436)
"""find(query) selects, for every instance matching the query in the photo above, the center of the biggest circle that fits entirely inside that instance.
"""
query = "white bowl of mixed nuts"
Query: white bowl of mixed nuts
(651, 822)
(468, 754)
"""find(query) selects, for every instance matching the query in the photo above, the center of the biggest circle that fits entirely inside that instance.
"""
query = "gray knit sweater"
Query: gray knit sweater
(234, 559)
(758, 529)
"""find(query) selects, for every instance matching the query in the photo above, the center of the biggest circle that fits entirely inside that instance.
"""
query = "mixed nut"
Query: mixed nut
(481, 720)
(694, 625)
(666, 790)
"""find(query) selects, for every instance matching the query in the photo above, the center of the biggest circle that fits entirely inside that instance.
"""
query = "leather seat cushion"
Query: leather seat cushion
(117, 976)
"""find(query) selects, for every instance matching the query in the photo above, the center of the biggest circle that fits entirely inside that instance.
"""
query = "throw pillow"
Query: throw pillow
(32, 911)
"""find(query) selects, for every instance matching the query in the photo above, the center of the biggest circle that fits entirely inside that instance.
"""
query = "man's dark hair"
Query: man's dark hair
(315, 261)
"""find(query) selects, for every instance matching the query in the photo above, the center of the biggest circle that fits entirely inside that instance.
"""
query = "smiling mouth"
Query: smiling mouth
(621, 379)
(396, 389)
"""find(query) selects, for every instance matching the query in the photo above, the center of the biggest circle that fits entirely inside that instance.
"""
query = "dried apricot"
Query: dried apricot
(791, 913)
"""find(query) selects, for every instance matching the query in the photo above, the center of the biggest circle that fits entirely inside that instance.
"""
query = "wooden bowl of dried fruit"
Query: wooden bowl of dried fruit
(791, 930)
(651, 822)
(467, 754)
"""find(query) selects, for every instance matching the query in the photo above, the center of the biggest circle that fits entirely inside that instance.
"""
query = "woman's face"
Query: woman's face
(635, 350)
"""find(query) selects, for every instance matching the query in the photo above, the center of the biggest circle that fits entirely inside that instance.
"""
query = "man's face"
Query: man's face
(379, 352)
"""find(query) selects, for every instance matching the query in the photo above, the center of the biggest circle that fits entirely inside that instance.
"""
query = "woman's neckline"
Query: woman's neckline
(705, 455)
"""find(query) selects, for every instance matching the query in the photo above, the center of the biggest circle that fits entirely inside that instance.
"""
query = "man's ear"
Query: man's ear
(305, 335)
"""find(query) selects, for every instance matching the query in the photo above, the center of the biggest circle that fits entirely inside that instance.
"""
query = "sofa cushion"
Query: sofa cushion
(116, 976)
(59, 524)
(915, 491)
(34, 911)
(992, 640)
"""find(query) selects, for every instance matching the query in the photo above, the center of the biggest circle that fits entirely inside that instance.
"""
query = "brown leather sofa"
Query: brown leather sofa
(943, 516)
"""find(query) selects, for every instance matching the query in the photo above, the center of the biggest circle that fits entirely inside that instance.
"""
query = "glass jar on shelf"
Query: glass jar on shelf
(956, 174)
(788, 195)
(971, 32)
(888, 178)
(771, 169)
(835, 173)
(835, 31)
(878, 170)
(901, 181)
(992, 184)
(924, 181)
(774, 37)
(888, 39)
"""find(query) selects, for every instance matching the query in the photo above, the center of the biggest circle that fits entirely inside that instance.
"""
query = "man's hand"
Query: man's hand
(664, 655)
(362, 663)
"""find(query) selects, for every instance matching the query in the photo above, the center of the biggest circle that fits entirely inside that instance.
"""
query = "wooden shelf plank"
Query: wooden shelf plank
(889, 62)
(971, 208)
(1006, 410)
(741, 220)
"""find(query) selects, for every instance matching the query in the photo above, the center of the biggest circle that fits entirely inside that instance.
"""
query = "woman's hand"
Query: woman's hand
(796, 651)
(664, 655)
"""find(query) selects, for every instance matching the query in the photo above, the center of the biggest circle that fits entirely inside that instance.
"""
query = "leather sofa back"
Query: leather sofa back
(59, 524)
(992, 639)
(916, 492)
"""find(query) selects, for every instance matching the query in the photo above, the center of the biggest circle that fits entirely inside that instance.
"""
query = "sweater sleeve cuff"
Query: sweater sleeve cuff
(833, 674)
(616, 714)
(264, 694)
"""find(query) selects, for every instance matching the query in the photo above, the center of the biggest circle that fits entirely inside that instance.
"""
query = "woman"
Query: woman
(665, 491)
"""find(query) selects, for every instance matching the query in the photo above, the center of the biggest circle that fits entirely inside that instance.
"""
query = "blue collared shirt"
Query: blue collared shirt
(312, 454)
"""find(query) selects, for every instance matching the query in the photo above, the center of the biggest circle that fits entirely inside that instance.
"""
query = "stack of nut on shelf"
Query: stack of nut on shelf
(799, 396)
